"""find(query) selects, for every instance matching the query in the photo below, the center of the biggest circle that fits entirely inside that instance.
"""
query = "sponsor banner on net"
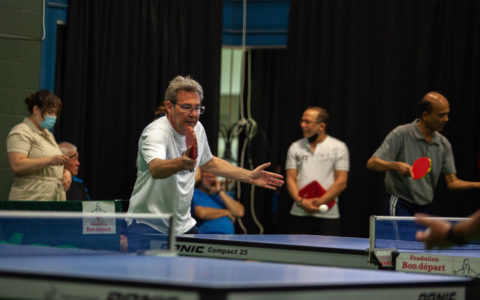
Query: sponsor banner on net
(438, 264)
(98, 224)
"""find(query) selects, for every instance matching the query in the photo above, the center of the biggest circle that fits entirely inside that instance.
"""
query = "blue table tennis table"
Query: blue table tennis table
(298, 249)
(33, 272)
(330, 251)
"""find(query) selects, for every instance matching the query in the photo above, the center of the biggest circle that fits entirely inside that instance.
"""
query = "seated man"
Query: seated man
(77, 190)
(213, 208)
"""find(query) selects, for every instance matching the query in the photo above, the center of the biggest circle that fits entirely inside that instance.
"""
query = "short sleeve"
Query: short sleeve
(448, 166)
(19, 142)
(206, 154)
(154, 145)
(389, 148)
(343, 159)
(291, 162)
(197, 198)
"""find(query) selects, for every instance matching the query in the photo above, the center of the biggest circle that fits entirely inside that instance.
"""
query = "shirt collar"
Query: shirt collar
(306, 143)
(418, 135)
(33, 127)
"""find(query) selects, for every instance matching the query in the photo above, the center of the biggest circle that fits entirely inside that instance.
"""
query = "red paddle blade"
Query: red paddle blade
(314, 190)
(421, 167)
(191, 140)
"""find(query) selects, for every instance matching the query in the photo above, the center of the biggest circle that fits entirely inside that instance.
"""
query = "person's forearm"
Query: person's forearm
(161, 168)
(293, 190)
(468, 230)
(292, 186)
(27, 166)
(462, 185)
(334, 191)
(235, 207)
(224, 169)
(380, 165)
(210, 213)
(338, 186)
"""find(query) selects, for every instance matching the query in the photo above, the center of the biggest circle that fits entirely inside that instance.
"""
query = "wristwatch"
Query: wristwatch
(299, 203)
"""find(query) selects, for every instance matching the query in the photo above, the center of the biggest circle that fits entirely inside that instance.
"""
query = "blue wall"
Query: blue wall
(56, 10)
(267, 22)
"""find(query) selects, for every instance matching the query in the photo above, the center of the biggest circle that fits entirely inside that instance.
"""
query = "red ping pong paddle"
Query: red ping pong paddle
(191, 140)
(421, 167)
(315, 190)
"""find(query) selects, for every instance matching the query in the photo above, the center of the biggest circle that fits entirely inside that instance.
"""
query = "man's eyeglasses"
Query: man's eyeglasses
(189, 108)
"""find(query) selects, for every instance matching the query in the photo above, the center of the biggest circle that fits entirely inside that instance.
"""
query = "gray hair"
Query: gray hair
(184, 84)
(67, 147)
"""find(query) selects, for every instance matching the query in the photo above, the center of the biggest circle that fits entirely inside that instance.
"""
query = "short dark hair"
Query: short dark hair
(425, 105)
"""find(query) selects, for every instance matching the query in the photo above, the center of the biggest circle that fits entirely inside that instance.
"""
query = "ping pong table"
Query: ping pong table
(34, 272)
(393, 245)
(83, 260)
(402, 255)
(298, 249)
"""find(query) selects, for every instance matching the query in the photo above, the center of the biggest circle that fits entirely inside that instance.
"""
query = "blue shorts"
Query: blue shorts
(397, 206)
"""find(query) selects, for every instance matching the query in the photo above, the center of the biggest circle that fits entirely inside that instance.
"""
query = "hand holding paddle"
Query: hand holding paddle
(308, 205)
(191, 143)
(315, 190)
(403, 169)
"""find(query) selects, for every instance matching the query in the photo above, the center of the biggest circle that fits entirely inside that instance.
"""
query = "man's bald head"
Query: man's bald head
(430, 100)
(434, 108)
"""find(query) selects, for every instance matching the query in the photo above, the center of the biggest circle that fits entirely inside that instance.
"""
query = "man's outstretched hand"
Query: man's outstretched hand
(265, 179)
(436, 233)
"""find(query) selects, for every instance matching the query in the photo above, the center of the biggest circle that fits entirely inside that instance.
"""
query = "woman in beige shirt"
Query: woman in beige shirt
(33, 153)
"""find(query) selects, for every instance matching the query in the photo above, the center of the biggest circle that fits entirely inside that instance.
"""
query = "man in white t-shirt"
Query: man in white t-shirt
(165, 180)
(317, 157)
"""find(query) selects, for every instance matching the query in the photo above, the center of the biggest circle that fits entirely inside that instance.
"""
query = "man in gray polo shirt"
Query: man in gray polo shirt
(404, 145)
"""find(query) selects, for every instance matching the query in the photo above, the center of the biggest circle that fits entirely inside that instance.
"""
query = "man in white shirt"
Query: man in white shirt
(165, 182)
(316, 157)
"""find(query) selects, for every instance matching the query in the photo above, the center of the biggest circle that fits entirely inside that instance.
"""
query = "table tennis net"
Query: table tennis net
(32, 232)
(399, 233)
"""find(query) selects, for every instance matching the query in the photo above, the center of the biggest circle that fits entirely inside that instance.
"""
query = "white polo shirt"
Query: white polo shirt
(172, 194)
(329, 155)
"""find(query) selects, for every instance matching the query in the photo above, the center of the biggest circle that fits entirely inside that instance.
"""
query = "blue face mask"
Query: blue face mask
(49, 122)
